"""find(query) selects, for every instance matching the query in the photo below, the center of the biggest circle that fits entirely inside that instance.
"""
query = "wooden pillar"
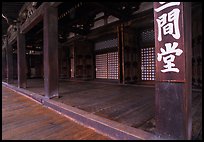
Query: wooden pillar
(123, 52)
(75, 58)
(9, 56)
(2, 76)
(21, 59)
(28, 59)
(121, 69)
(50, 52)
(3, 64)
(173, 69)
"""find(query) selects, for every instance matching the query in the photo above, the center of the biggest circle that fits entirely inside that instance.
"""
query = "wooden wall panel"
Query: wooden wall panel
(83, 60)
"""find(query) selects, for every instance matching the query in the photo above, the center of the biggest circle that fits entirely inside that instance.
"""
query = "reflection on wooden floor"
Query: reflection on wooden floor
(23, 119)
(128, 104)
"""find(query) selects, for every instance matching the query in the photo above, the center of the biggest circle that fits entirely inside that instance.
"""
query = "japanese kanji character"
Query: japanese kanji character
(169, 58)
(165, 25)
(169, 4)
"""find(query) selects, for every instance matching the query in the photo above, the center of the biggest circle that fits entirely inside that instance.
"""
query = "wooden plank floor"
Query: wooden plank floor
(24, 119)
(130, 105)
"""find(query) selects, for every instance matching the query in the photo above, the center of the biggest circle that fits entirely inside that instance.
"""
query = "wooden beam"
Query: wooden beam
(23, 8)
(123, 53)
(35, 18)
(121, 75)
(9, 57)
(50, 51)
(21, 59)
(3, 63)
(74, 30)
(13, 38)
(173, 82)
(119, 55)
(104, 30)
(3, 45)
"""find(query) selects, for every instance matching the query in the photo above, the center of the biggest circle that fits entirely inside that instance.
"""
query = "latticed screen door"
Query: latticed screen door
(113, 65)
(101, 66)
(107, 59)
(148, 63)
(107, 65)
(147, 54)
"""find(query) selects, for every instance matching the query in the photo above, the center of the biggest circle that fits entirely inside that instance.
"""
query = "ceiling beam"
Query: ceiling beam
(74, 30)
(35, 18)
(108, 9)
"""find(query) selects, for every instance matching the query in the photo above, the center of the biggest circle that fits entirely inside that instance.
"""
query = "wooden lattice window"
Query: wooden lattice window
(101, 66)
(113, 65)
(107, 65)
(148, 36)
(148, 63)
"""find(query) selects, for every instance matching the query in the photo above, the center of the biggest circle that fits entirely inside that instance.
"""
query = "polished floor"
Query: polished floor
(132, 105)
(24, 119)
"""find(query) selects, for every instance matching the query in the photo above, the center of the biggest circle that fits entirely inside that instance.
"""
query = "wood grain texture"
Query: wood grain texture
(132, 105)
(23, 119)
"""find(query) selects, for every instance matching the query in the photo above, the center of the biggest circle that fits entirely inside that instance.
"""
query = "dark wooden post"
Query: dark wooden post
(123, 52)
(75, 57)
(50, 52)
(21, 58)
(173, 69)
(119, 55)
(121, 75)
(3, 64)
(9, 56)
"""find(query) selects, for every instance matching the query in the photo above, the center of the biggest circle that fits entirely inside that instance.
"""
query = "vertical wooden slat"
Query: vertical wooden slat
(51, 52)
(21, 59)
(173, 90)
